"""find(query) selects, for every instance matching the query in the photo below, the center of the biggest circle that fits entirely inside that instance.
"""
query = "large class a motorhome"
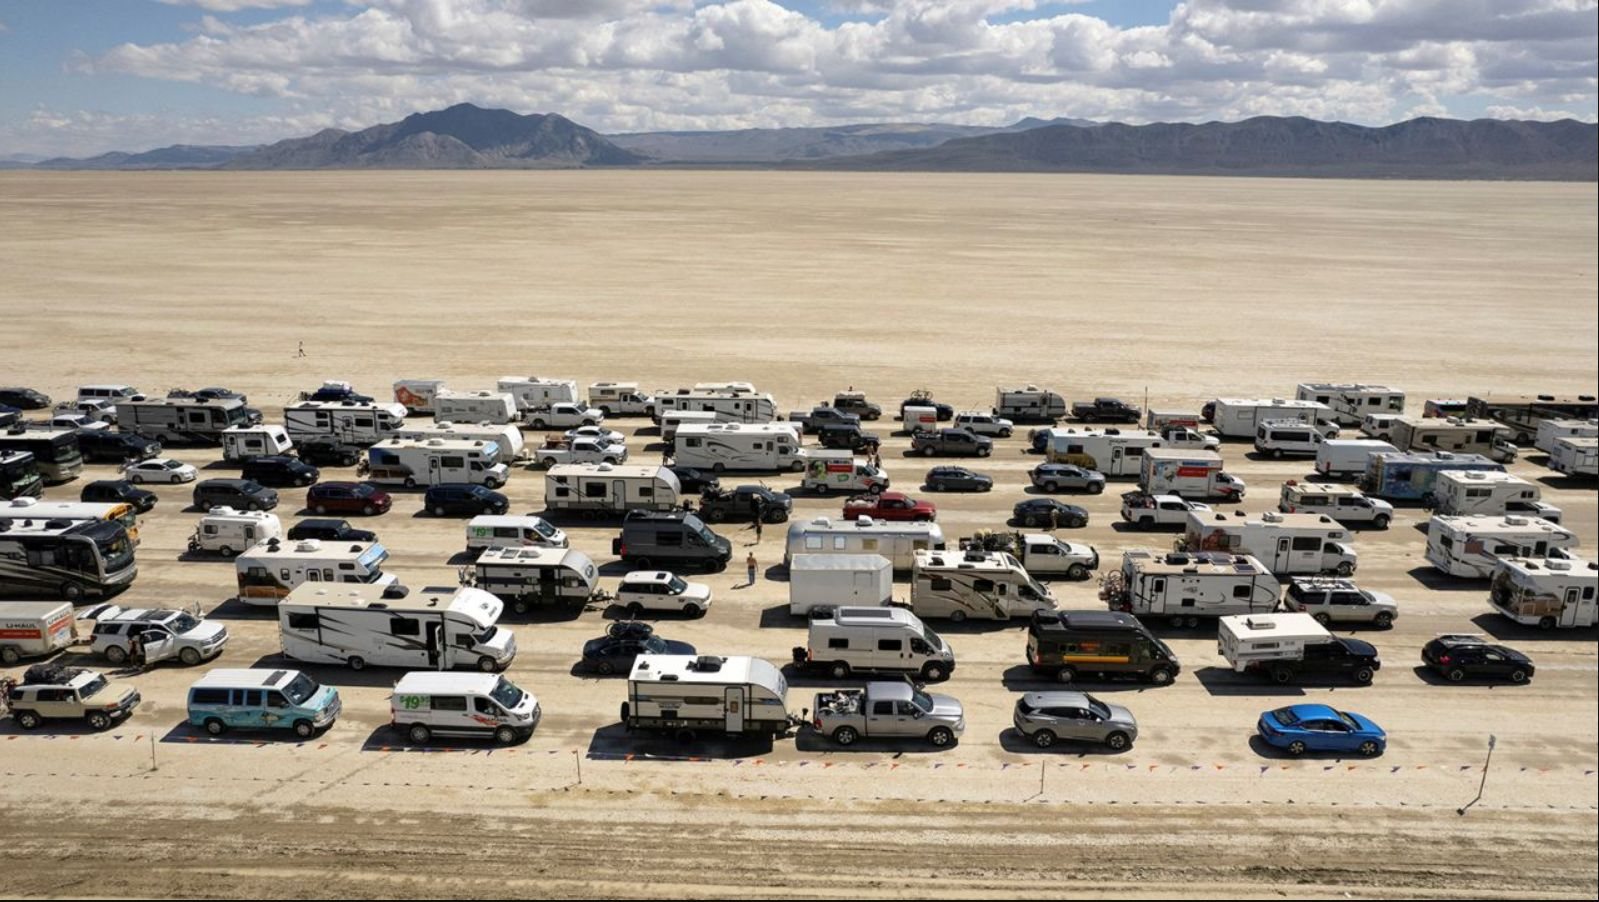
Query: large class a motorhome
(434, 461)
(360, 626)
(1470, 547)
(268, 571)
(1525, 413)
(1288, 544)
(983, 585)
(1352, 402)
(896, 541)
(353, 422)
(610, 488)
(1549, 593)
(1240, 417)
(182, 420)
(720, 447)
(1184, 589)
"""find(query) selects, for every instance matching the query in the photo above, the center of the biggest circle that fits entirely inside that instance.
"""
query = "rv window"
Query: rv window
(692, 442)
(1241, 591)
(868, 544)
(813, 543)
(1307, 543)
(210, 530)
(1135, 451)
(939, 584)
(1587, 593)
(405, 626)
(283, 575)
(838, 643)
(304, 621)
(594, 490)
(562, 492)
(209, 697)
(646, 491)
(463, 640)
(840, 543)
(448, 703)
(452, 463)
(882, 708)
(313, 576)
(363, 422)
(983, 585)
(1503, 550)
(890, 644)
(919, 545)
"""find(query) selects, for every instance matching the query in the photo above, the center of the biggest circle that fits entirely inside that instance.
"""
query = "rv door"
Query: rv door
(1568, 609)
(435, 643)
(734, 709)
(618, 494)
(1283, 553)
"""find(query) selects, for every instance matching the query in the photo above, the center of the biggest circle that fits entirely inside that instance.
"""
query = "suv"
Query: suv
(1457, 657)
(330, 531)
(952, 442)
(1035, 513)
(462, 498)
(347, 497)
(742, 503)
(119, 491)
(848, 437)
(855, 402)
(326, 451)
(1045, 717)
(670, 538)
(1339, 601)
(981, 423)
(161, 635)
(923, 399)
(52, 691)
(956, 479)
(658, 590)
(24, 398)
(280, 469)
(822, 415)
(239, 494)
(1054, 477)
(103, 445)
(338, 391)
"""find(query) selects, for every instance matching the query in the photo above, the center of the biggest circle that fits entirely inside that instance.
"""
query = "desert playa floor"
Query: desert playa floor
(1175, 289)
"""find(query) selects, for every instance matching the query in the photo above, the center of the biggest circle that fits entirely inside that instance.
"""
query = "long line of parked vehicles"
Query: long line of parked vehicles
(336, 604)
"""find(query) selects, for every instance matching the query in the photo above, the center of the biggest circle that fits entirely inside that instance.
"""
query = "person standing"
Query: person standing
(1054, 518)
(749, 568)
(760, 519)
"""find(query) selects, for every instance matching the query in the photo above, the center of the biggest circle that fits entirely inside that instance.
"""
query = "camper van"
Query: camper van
(620, 399)
(1470, 547)
(875, 640)
(35, 629)
(511, 531)
(413, 462)
(242, 443)
(1194, 475)
(1114, 452)
(525, 578)
(1351, 403)
(227, 532)
(898, 542)
(494, 407)
(1066, 645)
(436, 628)
(1407, 476)
(427, 704)
(1575, 457)
(352, 422)
(270, 570)
(1340, 502)
(609, 489)
(1287, 647)
(529, 392)
(730, 406)
(507, 438)
(1549, 593)
(1343, 458)
(1551, 430)
(1186, 589)
(835, 580)
(1028, 404)
(1456, 435)
(719, 447)
(987, 585)
(840, 471)
(262, 698)
(1240, 417)
(1287, 544)
(689, 695)
(416, 395)
(1487, 493)
(1291, 438)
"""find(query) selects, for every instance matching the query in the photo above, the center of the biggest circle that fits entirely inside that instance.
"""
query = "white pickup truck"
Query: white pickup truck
(1146, 511)
(1185, 438)
(559, 450)
(562, 416)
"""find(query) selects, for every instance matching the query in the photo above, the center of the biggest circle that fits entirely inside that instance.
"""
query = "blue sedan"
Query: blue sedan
(1298, 729)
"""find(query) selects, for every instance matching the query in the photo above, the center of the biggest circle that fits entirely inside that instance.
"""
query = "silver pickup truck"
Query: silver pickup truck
(888, 710)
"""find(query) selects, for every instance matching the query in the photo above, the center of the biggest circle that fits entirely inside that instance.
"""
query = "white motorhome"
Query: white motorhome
(837, 470)
(354, 422)
(1346, 457)
(529, 577)
(244, 442)
(732, 406)
(1347, 505)
(620, 399)
(268, 571)
(34, 629)
(227, 532)
(898, 542)
(834, 580)
(1240, 417)
(1156, 420)
(1551, 430)
(1194, 475)
(1287, 544)
(1351, 402)
(1114, 452)
(1455, 434)
(507, 437)
(416, 395)
(427, 704)
(1028, 404)
(475, 406)
(1490, 493)
(875, 640)
(988, 585)
(531, 391)
(688, 695)
(437, 628)
(1184, 589)
(413, 462)
(607, 488)
(673, 420)
(1575, 457)
(1470, 547)
(1247, 639)
(1549, 593)
(719, 447)
(1283, 438)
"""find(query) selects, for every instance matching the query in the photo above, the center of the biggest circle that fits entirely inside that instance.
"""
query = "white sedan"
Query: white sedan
(160, 469)
(598, 433)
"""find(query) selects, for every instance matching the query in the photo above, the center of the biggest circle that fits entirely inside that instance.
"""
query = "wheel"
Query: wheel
(1363, 676)
(1095, 488)
(797, 466)
(137, 479)
(1043, 739)
(1004, 433)
(932, 487)
(605, 668)
(1051, 487)
(928, 451)
(419, 733)
(538, 424)
(1296, 748)
(10, 656)
(206, 506)
(227, 551)
(438, 510)
(1346, 569)
(215, 727)
(304, 729)
(940, 737)
(410, 482)
(72, 592)
(1160, 676)
(189, 656)
(116, 654)
(718, 468)
(1323, 619)
(1385, 620)
(684, 737)
(845, 736)
(321, 509)
(1077, 571)
(1277, 454)
(957, 616)
(1144, 523)
(715, 515)
(982, 452)
(1518, 676)
(642, 563)
(933, 672)
(692, 610)
(839, 670)
(252, 506)
(1030, 520)
(368, 510)
(1282, 676)
(1369, 748)
(1117, 741)
(28, 720)
(356, 662)
(521, 606)
(504, 735)
(1381, 522)
(487, 664)
(605, 411)
(1547, 623)
(1066, 675)
(635, 610)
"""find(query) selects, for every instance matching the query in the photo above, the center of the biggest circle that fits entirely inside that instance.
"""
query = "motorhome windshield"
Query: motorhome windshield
(300, 689)
(486, 636)
(116, 550)
(931, 638)
(507, 694)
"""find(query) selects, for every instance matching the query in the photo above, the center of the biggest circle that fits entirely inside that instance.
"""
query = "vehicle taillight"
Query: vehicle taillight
(1443, 659)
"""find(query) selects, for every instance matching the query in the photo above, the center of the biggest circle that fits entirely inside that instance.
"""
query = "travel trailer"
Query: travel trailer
(227, 532)
(689, 695)
(1455, 435)
(35, 629)
(1114, 452)
(875, 640)
(529, 392)
(1550, 430)
(1028, 404)
(1240, 417)
(1525, 413)
(360, 626)
(1340, 502)
(413, 462)
(1194, 475)
(182, 420)
(529, 577)
(620, 399)
(1156, 420)
(1287, 544)
(1347, 457)
(241, 443)
(986, 585)
(494, 407)
(608, 489)
(835, 580)
(1487, 493)
(507, 437)
(731, 406)
(1407, 476)
(268, 571)
(1575, 457)
(898, 542)
(719, 447)
(353, 422)
(416, 395)
(1470, 547)
(1549, 593)
(1186, 589)
(1352, 402)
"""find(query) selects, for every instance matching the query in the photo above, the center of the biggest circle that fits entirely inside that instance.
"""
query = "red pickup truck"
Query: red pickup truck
(890, 506)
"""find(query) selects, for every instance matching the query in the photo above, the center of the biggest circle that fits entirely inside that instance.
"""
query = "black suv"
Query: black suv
(103, 445)
(241, 494)
(849, 437)
(330, 530)
(334, 392)
(280, 470)
(742, 502)
(1034, 512)
(328, 452)
(1459, 657)
(23, 398)
(693, 481)
(668, 539)
(118, 491)
(956, 479)
(462, 498)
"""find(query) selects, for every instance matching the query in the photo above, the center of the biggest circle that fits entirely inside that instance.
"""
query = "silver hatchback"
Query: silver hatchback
(1050, 717)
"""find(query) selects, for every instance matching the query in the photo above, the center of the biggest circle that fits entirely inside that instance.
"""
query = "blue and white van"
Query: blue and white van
(262, 699)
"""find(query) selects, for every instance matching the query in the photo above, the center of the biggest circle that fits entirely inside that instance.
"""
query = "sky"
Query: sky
(79, 77)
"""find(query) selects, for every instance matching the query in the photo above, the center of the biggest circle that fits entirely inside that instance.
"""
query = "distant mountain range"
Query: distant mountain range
(470, 137)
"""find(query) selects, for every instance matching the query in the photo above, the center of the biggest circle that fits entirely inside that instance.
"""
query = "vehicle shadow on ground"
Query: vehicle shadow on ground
(975, 627)
(1569, 483)
(1122, 526)
(386, 738)
(778, 617)
(1224, 681)
(807, 739)
(615, 742)
(334, 675)
(204, 557)
(234, 609)
(1434, 678)
(1439, 581)
(615, 612)
(187, 733)
(1022, 678)
(1017, 743)
(1264, 749)
(1507, 630)
(548, 613)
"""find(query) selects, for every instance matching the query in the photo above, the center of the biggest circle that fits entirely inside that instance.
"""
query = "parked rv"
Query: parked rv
(506, 437)
(526, 577)
(604, 489)
(1471, 546)
(671, 539)
(737, 406)
(759, 447)
(1352, 402)
(1410, 477)
(1549, 593)
(1286, 543)
(898, 542)
(621, 399)
(1487, 493)
(532, 391)
(351, 422)
(185, 420)
(1288, 647)
(227, 532)
(498, 408)
(1113, 452)
(242, 443)
(1344, 504)
(1455, 435)
(1187, 589)
(1067, 645)
(1577, 457)
(836, 580)
(673, 420)
(1028, 404)
(988, 585)
(888, 711)
(1241, 417)
(1189, 474)
(875, 640)
(411, 463)
(361, 625)
(270, 570)
(416, 395)
(1525, 413)
(1551, 430)
(427, 704)
(688, 695)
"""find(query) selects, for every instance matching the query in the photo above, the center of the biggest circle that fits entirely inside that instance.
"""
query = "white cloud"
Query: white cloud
(233, 6)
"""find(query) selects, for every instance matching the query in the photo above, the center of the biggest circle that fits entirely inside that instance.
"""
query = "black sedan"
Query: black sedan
(1035, 512)
(957, 479)
(118, 491)
(330, 530)
(614, 654)
(1462, 657)
(696, 482)
(24, 398)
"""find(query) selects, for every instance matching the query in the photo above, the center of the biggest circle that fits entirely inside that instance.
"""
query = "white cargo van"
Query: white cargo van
(427, 704)
(875, 640)
(1345, 458)
(509, 531)
(1291, 438)
(836, 580)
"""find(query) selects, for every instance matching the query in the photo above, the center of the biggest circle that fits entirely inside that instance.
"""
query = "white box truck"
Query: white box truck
(835, 580)
(1195, 475)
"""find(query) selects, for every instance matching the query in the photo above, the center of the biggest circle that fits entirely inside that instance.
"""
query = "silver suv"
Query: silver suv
(160, 635)
(1340, 601)
(1050, 717)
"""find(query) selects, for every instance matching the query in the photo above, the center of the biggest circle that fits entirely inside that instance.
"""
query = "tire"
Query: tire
(607, 460)
(1144, 524)
(504, 735)
(1161, 676)
(207, 505)
(845, 736)
(821, 488)
(1096, 488)
(419, 734)
(117, 655)
(1381, 522)
(1546, 624)
(692, 610)
(929, 451)
(27, 720)
(72, 592)
(226, 551)
(605, 412)
(1282, 676)
(1117, 741)
(321, 510)
(642, 563)
(304, 729)
(189, 656)
(1077, 571)
(486, 664)
(521, 606)
(1066, 675)
(799, 466)
(438, 510)
(1518, 676)
(718, 468)
(1031, 520)
(1277, 454)
(715, 515)
(136, 479)
(1043, 739)
(538, 424)
(356, 663)
(1370, 748)
(1385, 620)
(1323, 619)
(605, 668)
(1052, 487)
(1363, 676)
(1296, 748)
(838, 670)
(957, 616)
(215, 727)
(410, 482)
(684, 737)
(1345, 569)
(368, 510)
(934, 672)
(940, 737)
(984, 452)
(635, 610)
(1456, 675)
(10, 657)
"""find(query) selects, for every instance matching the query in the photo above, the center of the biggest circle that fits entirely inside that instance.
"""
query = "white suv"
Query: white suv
(161, 635)
(982, 423)
(657, 590)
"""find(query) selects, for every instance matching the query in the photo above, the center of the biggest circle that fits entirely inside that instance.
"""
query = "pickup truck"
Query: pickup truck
(1042, 554)
(741, 503)
(822, 415)
(855, 402)
(559, 450)
(50, 691)
(1107, 410)
(890, 506)
(888, 710)
(562, 416)
(952, 442)
(849, 437)
(1337, 657)
(1184, 438)
(1146, 511)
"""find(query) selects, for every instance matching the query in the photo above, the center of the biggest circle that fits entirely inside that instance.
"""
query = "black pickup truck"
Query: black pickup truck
(1107, 410)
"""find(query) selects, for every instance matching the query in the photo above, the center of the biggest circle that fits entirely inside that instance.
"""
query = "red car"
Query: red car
(347, 498)
(890, 506)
